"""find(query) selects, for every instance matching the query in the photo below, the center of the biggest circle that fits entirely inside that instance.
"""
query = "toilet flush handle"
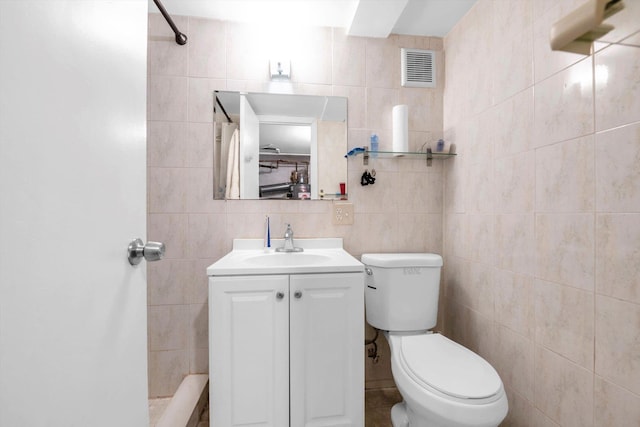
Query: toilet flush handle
(368, 271)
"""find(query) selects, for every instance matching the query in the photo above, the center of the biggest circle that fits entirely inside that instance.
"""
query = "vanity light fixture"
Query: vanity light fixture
(280, 69)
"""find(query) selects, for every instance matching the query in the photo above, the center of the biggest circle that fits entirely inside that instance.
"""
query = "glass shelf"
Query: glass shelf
(428, 155)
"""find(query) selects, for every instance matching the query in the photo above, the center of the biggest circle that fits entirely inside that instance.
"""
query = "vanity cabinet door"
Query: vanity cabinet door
(249, 344)
(327, 337)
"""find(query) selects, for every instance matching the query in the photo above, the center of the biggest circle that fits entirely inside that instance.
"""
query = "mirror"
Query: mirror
(279, 146)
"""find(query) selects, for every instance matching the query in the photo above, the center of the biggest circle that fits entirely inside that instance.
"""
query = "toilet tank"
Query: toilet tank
(401, 290)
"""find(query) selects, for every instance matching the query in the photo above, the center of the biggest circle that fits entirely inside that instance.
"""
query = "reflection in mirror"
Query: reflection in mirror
(279, 146)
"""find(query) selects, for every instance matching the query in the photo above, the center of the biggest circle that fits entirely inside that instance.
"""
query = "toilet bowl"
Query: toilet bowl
(443, 384)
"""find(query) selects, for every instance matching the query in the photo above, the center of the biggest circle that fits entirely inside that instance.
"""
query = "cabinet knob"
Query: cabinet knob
(297, 294)
(279, 295)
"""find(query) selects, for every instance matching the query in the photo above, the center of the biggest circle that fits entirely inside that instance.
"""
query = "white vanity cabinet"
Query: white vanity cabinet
(287, 350)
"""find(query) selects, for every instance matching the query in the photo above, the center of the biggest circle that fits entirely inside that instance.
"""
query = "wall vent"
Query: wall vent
(418, 68)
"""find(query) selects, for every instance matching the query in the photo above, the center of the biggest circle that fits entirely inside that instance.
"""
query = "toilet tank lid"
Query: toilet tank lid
(391, 260)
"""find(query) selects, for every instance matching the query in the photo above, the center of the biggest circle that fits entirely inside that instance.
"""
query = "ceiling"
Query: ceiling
(369, 18)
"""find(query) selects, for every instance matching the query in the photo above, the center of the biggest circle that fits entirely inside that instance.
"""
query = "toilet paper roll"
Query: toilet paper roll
(400, 123)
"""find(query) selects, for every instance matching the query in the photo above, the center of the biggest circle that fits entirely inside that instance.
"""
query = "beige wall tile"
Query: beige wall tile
(199, 361)
(565, 176)
(248, 53)
(349, 59)
(516, 53)
(615, 406)
(527, 132)
(419, 232)
(514, 361)
(356, 109)
(479, 289)
(166, 143)
(617, 87)
(382, 59)
(481, 238)
(564, 321)
(165, 190)
(167, 98)
(563, 106)
(166, 371)
(456, 231)
(514, 237)
(479, 334)
(380, 102)
(514, 301)
(618, 170)
(565, 245)
(514, 183)
(198, 326)
(618, 342)
(199, 145)
(541, 420)
(513, 132)
(196, 287)
(206, 48)
(200, 106)
(618, 256)
(308, 66)
(168, 326)
(199, 193)
(521, 411)
(204, 237)
(425, 108)
(563, 390)
(171, 229)
(455, 177)
(418, 193)
(166, 281)
(164, 56)
(481, 185)
(547, 61)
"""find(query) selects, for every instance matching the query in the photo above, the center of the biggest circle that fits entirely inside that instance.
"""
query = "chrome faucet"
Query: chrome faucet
(288, 242)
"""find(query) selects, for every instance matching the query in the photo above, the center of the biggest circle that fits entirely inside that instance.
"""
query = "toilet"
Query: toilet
(443, 384)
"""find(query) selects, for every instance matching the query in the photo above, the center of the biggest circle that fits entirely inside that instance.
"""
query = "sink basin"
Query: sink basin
(285, 259)
(249, 257)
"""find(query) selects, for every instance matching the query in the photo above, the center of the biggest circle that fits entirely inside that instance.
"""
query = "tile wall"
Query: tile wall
(401, 212)
(542, 211)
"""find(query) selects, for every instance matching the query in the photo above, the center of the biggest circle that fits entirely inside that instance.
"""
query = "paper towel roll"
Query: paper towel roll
(400, 129)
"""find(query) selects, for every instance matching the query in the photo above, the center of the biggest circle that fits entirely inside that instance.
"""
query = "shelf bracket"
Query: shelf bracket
(429, 156)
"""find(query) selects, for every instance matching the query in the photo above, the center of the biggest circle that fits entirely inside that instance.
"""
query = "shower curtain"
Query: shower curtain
(223, 136)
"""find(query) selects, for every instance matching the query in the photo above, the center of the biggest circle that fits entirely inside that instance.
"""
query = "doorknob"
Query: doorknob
(152, 251)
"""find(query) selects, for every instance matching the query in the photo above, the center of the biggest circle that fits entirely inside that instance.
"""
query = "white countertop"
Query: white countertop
(249, 257)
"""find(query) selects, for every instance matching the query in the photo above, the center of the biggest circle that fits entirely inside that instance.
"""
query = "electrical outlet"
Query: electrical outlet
(343, 213)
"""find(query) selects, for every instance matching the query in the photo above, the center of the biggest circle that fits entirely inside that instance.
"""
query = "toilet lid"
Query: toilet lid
(449, 367)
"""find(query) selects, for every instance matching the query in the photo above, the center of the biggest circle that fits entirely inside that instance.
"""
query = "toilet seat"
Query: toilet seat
(435, 362)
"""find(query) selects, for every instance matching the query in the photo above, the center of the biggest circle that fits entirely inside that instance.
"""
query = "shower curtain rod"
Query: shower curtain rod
(181, 39)
(222, 108)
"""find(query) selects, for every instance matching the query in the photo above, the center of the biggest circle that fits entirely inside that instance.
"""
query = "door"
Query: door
(249, 351)
(327, 335)
(73, 340)
(249, 151)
